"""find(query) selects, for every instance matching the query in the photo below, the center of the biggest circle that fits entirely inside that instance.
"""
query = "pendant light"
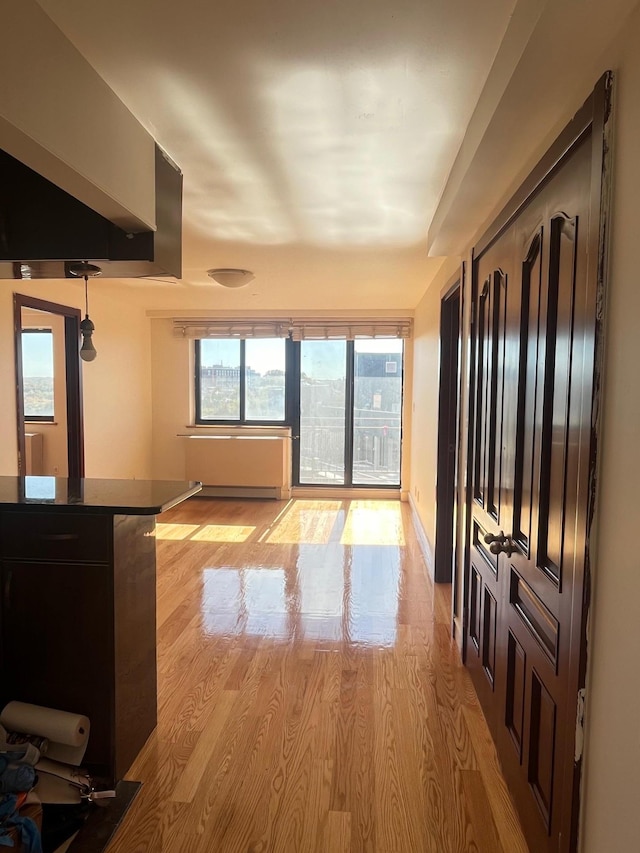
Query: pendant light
(85, 270)
(87, 351)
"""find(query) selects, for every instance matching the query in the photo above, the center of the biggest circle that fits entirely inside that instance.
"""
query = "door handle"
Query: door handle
(489, 538)
(500, 544)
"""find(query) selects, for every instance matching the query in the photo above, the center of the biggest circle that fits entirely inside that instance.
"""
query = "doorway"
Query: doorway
(447, 433)
(349, 420)
(48, 388)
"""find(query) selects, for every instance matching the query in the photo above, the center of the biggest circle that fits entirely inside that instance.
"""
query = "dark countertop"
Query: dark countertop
(113, 497)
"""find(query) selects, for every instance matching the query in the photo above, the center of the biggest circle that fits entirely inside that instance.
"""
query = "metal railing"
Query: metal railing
(376, 449)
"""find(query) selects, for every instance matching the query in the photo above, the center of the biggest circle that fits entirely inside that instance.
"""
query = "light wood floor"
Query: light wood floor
(310, 698)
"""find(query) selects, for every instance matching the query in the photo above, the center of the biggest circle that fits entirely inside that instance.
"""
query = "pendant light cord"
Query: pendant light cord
(86, 296)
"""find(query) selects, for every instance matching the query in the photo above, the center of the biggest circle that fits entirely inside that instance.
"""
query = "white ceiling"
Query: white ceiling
(315, 137)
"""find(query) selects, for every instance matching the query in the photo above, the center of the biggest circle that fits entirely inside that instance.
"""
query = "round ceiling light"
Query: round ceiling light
(231, 277)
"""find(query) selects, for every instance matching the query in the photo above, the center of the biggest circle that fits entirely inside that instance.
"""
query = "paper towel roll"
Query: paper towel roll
(67, 733)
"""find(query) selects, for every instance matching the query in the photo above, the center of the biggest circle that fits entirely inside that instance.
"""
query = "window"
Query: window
(350, 414)
(377, 412)
(241, 381)
(37, 374)
(338, 386)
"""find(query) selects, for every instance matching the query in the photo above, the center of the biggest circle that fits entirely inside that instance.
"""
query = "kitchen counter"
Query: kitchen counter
(126, 497)
(78, 604)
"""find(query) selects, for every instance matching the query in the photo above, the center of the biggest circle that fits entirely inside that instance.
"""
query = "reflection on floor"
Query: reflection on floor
(310, 698)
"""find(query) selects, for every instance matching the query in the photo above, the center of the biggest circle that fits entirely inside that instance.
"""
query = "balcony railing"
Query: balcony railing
(376, 449)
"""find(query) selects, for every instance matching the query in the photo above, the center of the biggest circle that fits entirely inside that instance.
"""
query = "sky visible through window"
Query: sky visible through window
(37, 354)
(264, 356)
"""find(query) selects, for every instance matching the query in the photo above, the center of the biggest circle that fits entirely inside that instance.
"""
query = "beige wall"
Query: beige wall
(611, 793)
(117, 389)
(116, 386)
(171, 400)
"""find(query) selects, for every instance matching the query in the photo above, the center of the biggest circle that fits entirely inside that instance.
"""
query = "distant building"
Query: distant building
(219, 373)
(378, 364)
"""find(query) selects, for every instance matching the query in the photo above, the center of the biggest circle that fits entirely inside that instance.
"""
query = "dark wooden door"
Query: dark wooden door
(444, 556)
(534, 337)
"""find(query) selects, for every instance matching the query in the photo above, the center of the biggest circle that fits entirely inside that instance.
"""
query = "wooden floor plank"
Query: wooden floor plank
(479, 811)
(310, 696)
(502, 808)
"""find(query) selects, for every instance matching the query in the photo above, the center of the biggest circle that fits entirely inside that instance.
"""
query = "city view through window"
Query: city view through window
(264, 375)
(347, 435)
(325, 426)
(37, 373)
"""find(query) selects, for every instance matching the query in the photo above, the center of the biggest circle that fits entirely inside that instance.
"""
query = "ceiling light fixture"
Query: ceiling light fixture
(87, 351)
(231, 277)
(82, 269)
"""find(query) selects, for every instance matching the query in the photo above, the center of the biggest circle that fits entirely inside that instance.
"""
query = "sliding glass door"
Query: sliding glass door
(323, 407)
(377, 412)
(350, 413)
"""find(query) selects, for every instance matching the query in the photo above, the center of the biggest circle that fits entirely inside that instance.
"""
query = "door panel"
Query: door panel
(489, 620)
(532, 395)
(528, 402)
(555, 429)
(490, 481)
(515, 699)
(542, 734)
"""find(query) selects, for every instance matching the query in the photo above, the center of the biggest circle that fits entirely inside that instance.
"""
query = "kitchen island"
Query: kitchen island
(78, 604)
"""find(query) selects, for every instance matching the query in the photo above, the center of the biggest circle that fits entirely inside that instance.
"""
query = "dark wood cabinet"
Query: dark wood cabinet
(78, 604)
(78, 624)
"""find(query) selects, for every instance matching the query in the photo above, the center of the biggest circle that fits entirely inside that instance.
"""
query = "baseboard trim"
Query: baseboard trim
(309, 492)
(264, 492)
(345, 494)
(423, 539)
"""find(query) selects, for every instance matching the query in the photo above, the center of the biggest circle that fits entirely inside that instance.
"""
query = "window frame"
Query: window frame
(40, 419)
(350, 381)
(242, 420)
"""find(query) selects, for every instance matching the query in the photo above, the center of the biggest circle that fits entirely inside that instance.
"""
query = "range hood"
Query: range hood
(44, 231)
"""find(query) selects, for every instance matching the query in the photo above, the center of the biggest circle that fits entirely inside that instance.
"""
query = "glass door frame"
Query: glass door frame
(295, 415)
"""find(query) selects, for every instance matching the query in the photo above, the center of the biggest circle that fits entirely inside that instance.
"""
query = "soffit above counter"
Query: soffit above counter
(59, 117)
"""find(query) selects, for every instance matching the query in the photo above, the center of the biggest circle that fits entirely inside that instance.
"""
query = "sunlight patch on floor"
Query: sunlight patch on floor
(374, 523)
(223, 533)
(309, 522)
(175, 531)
